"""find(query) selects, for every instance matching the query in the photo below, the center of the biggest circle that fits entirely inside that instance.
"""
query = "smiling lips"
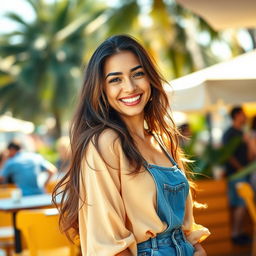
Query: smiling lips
(131, 101)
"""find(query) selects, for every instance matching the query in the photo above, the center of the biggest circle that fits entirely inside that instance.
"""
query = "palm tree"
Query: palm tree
(46, 57)
(172, 36)
(167, 38)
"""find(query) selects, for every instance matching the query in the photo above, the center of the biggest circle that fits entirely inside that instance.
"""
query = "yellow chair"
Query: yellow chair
(8, 185)
(6, 228)
(51, 185)
(40, 229)
(246, 192)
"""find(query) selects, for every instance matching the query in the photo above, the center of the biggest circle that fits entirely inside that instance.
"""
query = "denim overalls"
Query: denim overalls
(172, 189)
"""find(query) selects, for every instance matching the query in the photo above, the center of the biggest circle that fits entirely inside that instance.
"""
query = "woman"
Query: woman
(124, 193)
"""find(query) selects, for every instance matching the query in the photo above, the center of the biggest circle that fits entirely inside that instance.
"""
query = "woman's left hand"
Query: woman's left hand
(199, 250)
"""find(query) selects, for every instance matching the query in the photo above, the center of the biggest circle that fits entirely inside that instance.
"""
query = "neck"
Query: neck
(135, 126)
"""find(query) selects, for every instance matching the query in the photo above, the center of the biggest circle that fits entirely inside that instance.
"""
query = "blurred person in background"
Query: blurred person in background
(186, 135)
(23, 168)
(2, 159)
(235, 138)
(252, 149)
(252, 139)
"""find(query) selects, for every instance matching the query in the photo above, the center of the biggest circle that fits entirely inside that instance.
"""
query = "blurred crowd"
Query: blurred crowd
(237, 151)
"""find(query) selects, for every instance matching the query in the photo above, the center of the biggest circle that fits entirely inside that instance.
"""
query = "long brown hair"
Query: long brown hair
(94, 115)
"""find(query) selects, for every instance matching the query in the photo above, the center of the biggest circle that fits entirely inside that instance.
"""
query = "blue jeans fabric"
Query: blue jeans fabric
(167, 244)
(234, 199)
(172, 189)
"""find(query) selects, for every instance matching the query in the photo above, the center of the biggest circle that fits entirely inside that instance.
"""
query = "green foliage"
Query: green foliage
(250, 168)
(47, 55)
(123, 19)
(197, 122)
(49, 153)
(202, 165)
(5, 78)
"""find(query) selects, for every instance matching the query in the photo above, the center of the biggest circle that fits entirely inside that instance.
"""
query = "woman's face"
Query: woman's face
(126, 85)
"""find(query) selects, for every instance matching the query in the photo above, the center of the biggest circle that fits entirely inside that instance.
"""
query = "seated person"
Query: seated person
(23, 169)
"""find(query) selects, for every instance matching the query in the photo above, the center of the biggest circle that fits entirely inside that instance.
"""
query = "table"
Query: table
(27, 202)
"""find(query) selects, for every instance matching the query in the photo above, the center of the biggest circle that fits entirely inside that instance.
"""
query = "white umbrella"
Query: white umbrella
(224, 14)
(10, 124)
(233, 82)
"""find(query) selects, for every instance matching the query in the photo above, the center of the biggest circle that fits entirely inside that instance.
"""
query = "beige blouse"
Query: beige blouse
(120, 209)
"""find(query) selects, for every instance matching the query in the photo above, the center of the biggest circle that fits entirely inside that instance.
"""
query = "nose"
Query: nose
(129, 85)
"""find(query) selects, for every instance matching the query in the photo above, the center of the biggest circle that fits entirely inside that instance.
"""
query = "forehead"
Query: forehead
(121, 62)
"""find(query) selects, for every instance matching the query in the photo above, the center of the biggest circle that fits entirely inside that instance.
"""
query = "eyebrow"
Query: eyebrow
(120, 73)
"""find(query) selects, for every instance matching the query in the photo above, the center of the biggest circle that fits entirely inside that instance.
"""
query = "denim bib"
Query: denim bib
(172, 189)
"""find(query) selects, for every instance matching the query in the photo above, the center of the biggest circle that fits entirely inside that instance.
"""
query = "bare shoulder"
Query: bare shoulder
(108, 136)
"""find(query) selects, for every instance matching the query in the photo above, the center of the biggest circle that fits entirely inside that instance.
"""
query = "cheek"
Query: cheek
(147, 88)
(147, 84)
(111, 94)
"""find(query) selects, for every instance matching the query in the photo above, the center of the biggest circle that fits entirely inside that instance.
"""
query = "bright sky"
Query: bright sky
(23, 8)
(17, 6)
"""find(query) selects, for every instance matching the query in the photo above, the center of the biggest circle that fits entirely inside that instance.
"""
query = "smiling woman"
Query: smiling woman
(126, 192)
(128, 90)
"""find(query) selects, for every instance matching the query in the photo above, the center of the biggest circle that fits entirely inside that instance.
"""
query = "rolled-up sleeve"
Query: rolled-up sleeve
(195, 233)
(102, 217)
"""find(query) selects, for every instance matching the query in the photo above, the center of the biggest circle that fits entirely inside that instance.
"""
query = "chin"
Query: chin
(131, 114)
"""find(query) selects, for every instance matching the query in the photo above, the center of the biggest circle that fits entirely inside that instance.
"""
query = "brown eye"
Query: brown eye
(114, 80)
(139, 74)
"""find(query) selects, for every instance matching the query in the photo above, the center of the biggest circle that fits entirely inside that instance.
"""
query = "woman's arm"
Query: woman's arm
(102, 218)
(194, 232)
(124, 253)
(199, 250)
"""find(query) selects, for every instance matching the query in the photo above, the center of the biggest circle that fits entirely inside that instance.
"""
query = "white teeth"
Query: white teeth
(130, 100)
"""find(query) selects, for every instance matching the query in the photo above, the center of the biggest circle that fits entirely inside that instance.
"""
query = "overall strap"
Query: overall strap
(165, 150)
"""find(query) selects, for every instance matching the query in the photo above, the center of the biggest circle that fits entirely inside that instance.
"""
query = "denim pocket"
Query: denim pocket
(174, 189)
(176, 199)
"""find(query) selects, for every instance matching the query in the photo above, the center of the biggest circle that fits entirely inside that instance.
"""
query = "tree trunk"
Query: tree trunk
(57, 129)
(192, 44)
